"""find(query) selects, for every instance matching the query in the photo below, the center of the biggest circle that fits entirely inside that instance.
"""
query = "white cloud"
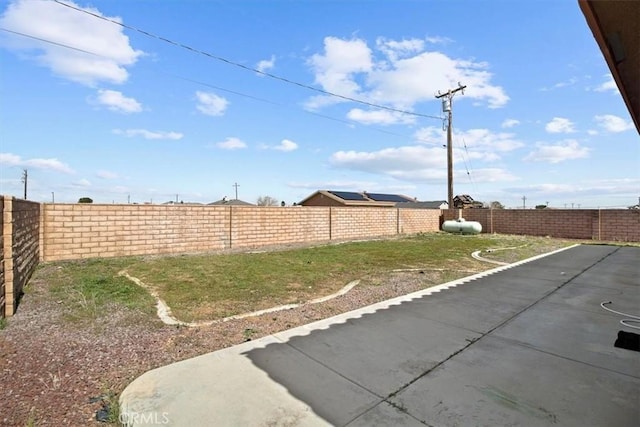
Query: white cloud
(107, 174)
(334, 69)
(231, 143)
(286, 145)
(84, 183)
(478, 140)
(560, 125)
(116, 101)
(596, 187)
(399, 73)
(509, 123)
(8, 159)
(569, 149)
(612, 123)
(380, 117)
(59, 24)
(438, 40)
(409, 162)
(394, 49)
(147, 134)
(570, 82)
(609, 85)
(412, 163)
(492, 175)
(211, 104)
(266, 64)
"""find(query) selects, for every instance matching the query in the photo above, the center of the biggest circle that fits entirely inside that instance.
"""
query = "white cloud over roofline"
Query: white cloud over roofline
(110, 49)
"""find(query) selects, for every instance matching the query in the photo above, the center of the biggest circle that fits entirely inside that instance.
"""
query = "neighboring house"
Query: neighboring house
(436, 204)
(178, 203)
(233, 202)
(464, 201)
(351, 198)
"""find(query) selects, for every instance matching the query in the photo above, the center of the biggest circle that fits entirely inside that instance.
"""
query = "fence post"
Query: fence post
(7, 256)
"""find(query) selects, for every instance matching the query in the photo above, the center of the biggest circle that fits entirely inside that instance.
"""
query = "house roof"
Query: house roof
(352, 198)
(397, 198)
(233, 202)
(615, 26)
(464, 198)
(423, 205)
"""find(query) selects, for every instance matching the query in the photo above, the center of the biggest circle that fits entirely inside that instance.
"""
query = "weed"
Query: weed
(249, 333)
(3, 323)
(54, 382)
(31, 419)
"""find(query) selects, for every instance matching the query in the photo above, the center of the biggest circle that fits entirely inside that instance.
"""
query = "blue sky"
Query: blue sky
(92, 109)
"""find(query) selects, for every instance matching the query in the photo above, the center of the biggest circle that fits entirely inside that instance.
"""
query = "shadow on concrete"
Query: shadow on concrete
(525, 346)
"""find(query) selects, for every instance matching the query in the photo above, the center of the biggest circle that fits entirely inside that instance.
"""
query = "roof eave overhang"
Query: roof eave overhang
(591, 16)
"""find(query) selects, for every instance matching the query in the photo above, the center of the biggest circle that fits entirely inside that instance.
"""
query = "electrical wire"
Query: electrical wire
(219, 88)
(464, 160)
(244, 67)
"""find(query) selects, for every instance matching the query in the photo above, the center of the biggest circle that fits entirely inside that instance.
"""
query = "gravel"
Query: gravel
(56, 372)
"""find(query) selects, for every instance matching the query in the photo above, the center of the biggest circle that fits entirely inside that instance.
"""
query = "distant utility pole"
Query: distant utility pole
(447, 107)
(24, 179)
(524, 202)
(236, 185)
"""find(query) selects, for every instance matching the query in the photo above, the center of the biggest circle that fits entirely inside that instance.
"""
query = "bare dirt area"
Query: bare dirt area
(55, 372)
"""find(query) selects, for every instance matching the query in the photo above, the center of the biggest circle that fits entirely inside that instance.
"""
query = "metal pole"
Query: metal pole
(24, 179)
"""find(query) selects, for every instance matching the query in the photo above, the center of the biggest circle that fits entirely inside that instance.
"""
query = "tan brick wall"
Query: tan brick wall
(2, 285)
(254, 227)
(620, 225)
(73, 231)
(414, 221)
(605, 224)
(20, 247)
(358, 223)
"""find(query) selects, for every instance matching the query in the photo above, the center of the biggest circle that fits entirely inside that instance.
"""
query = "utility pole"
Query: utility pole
(24, 179)
(524, 202)
(236, 185)
(447, 107)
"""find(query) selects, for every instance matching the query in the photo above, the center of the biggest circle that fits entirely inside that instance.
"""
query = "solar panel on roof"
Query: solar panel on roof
(378, 197)
(348, 195)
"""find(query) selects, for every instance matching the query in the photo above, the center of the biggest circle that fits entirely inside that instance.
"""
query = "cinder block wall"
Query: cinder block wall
(413, 221)
(20, 248)
(254, 227)
(73, 231)
(592, 224)
(357, 223)
(3, 300)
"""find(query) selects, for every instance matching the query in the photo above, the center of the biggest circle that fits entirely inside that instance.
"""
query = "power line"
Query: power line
(209, 85)
(244, 67)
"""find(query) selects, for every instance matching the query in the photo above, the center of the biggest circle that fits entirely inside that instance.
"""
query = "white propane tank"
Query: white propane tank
(461, 226)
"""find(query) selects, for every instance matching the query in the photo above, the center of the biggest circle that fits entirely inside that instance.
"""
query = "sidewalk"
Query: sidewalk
(526, 344)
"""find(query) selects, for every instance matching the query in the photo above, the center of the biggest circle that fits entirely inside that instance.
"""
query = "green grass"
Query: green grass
(206, 287)
(88, 288)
